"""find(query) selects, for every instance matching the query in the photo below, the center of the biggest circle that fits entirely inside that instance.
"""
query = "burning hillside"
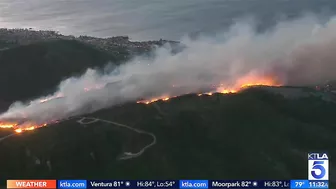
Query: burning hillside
(21, 125)
(289, 54)
(220, 90)
(242, 83)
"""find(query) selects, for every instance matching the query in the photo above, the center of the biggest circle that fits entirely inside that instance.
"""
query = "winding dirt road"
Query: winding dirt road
(125, 155)
(91, 120)
(5, 137)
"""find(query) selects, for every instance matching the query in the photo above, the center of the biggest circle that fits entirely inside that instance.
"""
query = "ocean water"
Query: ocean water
(151, 19)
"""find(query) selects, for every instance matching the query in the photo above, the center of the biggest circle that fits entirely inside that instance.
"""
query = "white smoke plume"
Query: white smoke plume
(299, 52)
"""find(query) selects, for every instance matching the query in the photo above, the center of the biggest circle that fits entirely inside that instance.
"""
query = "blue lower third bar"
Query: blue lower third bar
(64, 184)
(194, 184)
(299, 184)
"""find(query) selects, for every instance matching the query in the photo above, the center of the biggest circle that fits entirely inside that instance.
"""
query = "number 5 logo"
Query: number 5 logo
(318, 165)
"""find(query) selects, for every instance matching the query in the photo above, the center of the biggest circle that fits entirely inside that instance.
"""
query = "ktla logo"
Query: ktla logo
(318, 166)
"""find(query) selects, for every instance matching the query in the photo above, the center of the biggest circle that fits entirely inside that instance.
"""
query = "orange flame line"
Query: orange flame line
(248, 81)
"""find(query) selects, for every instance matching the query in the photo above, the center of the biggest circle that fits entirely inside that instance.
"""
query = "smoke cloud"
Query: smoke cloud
(297, 52)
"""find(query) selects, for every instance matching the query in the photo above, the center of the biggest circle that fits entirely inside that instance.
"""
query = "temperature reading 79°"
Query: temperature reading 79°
(299, 184)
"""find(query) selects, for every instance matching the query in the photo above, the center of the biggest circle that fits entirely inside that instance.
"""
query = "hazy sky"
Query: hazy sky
(148, 19)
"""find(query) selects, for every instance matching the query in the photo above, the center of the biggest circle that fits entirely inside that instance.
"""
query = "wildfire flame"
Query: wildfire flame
(7, 125)
(163, 98)
(247, 81)
(19, 128)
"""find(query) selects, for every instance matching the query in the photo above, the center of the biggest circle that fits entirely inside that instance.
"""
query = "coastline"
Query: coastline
(25, 36)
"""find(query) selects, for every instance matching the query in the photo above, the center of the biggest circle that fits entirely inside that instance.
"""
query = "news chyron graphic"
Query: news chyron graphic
(15, 184)
(318, 167)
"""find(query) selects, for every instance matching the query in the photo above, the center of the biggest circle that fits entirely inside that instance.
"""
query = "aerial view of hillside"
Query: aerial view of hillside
(176, 97)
